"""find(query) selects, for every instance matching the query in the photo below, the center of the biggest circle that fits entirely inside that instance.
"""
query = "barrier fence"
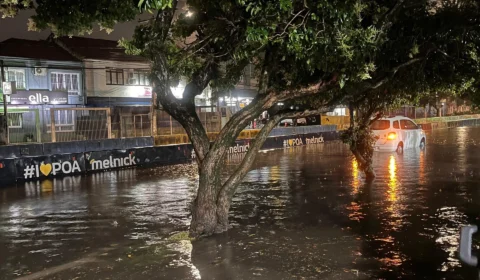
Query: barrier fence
(209, 117)
(73, 124)
(24, 126)
(44, 125)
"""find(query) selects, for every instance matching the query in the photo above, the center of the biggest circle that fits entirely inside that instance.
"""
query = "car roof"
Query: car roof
(396, 118)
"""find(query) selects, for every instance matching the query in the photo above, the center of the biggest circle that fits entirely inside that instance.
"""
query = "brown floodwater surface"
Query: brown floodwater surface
(301, 213)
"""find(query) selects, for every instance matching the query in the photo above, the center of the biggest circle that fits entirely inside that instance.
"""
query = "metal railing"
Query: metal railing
(45, 125)
(209, 117)
(24, 126)
(284, 131)
(71, 124)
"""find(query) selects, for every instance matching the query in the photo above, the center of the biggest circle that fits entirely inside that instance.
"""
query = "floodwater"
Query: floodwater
(301, 213)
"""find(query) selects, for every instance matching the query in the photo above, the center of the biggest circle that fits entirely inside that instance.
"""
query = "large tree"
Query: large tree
(315, 52)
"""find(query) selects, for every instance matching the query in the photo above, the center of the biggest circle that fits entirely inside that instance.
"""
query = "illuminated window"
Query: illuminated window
(15, 120)
(64, 120)
(17, 76)
(66, 82)
(138, 78)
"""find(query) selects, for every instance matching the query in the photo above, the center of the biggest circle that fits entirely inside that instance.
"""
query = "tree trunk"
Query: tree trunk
(212, 205)
(361, 141)
(204, 211)
(223, 207)
(365, 165)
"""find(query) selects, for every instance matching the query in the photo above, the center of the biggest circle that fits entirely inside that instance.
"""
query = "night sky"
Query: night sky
(17, 28)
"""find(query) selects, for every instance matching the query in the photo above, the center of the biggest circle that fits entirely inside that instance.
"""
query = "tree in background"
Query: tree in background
(439, 42)
(311, 53)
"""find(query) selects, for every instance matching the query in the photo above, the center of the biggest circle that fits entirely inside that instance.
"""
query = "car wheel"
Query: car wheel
(400, 148)
(422, 144)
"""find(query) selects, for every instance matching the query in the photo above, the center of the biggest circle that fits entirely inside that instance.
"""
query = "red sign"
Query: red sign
(148, 92)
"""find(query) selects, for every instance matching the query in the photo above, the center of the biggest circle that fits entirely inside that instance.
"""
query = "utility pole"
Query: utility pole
(4, 124)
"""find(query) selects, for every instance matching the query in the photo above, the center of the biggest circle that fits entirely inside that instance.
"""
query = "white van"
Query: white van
(397, 133)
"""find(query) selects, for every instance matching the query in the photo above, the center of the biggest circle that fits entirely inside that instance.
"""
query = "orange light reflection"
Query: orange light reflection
(393, 182)
(355, 179)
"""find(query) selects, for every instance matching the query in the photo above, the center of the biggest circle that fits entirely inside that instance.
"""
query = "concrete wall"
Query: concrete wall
(42, 161)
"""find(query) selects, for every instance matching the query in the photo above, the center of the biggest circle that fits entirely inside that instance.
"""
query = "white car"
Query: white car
(397, 133)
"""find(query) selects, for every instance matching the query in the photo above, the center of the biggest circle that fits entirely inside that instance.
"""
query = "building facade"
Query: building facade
(115, 80)
(45, 76)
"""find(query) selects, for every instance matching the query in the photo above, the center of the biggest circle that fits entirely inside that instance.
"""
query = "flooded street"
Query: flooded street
(301, 213)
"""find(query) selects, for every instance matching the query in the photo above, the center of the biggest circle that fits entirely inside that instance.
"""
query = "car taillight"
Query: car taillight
(392, 136)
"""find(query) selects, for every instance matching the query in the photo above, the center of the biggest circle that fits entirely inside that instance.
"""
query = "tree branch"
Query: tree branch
(392, 73)
(261, 103)
(386, 20)
(229, 186)
(184, 113)
(165, 19)
(288, 25)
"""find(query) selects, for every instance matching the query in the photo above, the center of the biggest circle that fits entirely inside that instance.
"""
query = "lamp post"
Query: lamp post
(4, 124)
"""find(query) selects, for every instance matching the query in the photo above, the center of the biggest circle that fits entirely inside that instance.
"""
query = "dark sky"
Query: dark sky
(17, 28)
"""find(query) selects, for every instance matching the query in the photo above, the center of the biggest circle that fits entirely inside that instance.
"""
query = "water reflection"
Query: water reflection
(355, 177)
(392, 182)
(449, 222)
(422, 172)
(302, 212)
(462, 141)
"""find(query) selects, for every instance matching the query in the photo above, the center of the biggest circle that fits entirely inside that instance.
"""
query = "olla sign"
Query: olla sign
(32, 97)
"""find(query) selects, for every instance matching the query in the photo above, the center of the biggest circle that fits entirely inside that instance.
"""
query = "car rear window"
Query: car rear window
(380, 125)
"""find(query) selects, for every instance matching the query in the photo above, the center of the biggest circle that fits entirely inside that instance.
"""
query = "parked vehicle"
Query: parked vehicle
(397, 133)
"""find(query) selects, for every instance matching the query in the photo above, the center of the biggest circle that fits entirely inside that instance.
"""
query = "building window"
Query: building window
(17, 76)
(247, 75)
(66, 82)
(15, 120)
(138, 78)
(64, 120)
(114, 76)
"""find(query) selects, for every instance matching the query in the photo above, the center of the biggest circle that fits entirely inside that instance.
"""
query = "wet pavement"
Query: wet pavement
(302, 213)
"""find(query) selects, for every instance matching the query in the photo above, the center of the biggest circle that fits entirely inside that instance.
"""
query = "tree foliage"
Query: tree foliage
(10, 8)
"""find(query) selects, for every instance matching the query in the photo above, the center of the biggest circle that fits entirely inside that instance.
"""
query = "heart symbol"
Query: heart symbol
(45, 168)
(290, 142)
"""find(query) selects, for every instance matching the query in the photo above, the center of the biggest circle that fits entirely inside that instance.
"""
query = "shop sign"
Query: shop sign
(33, 97)
(9, 88)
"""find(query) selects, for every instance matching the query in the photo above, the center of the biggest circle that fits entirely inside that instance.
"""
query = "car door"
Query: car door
(418, 134)
(409, 133)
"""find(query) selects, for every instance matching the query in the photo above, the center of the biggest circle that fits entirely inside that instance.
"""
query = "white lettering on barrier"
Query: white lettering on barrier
(112, 162)
(299, 142)
(293, 142)
(56, 168)
(315, 140)
(239, 149)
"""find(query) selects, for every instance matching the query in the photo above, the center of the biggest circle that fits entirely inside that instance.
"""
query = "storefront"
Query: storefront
(43, 76)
